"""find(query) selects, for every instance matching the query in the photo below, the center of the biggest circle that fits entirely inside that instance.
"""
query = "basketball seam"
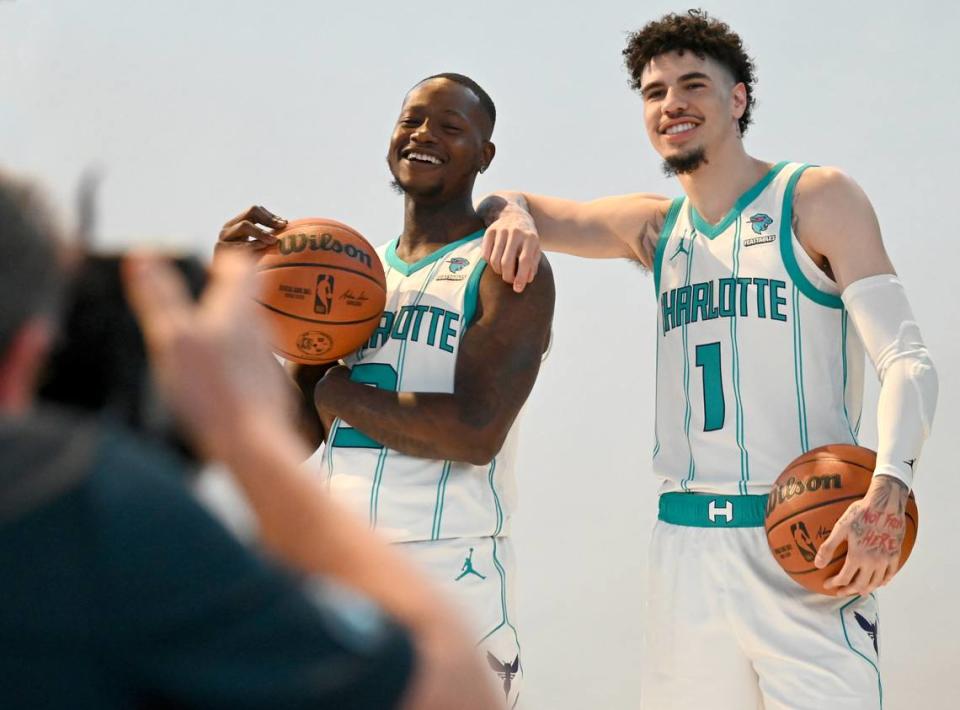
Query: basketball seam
(318, 265)
(829, 458)
(812, 507)
(281, 351)
(314, 320)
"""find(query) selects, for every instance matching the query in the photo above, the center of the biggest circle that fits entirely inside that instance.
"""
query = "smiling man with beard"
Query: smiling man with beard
(765, 274)
(419, 423)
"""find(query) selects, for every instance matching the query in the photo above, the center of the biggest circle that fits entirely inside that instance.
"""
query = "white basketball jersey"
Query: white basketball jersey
(757, 361)
(430, 305)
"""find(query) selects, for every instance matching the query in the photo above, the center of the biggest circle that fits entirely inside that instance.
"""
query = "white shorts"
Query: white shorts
(726, 628)
(477, 574)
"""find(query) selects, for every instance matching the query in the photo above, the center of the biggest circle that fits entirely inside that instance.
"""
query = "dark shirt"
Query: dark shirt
(118, 590)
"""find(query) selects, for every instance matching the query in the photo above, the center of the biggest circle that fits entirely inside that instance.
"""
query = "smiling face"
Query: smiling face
(691, 106)
(440, 141)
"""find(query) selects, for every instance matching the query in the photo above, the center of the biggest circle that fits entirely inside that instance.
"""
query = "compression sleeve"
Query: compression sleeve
(882, 316)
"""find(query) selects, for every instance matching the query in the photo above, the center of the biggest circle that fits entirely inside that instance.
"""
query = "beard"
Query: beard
(428, 192)
(684, 163)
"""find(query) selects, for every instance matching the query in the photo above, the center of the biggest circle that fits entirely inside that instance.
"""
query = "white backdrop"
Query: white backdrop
(195, 110)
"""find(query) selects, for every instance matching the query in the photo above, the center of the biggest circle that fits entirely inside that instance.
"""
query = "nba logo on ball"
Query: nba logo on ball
(323, 299)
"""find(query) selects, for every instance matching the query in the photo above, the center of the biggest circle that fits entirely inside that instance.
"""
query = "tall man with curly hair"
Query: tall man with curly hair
(771, 281)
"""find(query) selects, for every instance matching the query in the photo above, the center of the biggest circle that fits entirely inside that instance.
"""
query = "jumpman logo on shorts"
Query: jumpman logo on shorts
(468, 568)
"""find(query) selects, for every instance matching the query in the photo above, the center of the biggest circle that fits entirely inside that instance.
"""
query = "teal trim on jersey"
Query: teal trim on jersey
(328, 450)
(735, 373)
(711, 231)
(662, 240)
(656, 396)
(472, 296)
(688, 410)
(401, 359)
(704, 510)
(407, 269)
(496, 498)
(843, 358)
(790, 258)
(503, 601)
(798, 372)
(846, 637)
(374, 513)
(438, 506)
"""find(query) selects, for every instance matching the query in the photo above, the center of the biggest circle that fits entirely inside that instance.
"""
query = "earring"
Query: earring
(483, 168)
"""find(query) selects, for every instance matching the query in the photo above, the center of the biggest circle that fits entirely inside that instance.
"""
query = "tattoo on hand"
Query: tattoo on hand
(877, 529)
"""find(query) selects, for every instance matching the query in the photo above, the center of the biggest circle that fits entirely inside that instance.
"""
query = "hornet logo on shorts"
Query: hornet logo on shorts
(870, 629)
(760, 222)
(507, 671)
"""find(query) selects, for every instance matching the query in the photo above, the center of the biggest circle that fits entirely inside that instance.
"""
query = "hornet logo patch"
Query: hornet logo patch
(507, 671)
(870, 629)
(458, 263)
(760, 222)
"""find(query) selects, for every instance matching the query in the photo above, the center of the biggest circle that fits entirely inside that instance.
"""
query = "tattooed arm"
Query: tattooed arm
(836, 225)
(520, 225)
(497, 364)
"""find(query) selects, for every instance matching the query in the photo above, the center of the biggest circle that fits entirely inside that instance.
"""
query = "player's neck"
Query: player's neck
(427, 227)
(714, 187)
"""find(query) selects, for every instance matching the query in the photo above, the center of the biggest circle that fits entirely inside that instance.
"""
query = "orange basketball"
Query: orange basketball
(323, 289)
(808, 499)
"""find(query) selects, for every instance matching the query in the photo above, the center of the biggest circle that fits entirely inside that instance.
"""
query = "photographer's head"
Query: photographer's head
(30, 283)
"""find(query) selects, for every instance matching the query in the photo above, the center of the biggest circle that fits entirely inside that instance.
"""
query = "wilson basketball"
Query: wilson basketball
(808, 499)
(323, 289)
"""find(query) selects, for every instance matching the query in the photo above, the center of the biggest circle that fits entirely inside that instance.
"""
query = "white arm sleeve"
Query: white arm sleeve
(881, 314)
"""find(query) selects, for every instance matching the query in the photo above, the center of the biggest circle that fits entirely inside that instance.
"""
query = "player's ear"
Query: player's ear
(488, 151)
(738, 99)
(22, 362)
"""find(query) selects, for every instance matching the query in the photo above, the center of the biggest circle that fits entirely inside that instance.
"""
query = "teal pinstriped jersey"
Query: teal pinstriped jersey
(430, 305)
(756, 361)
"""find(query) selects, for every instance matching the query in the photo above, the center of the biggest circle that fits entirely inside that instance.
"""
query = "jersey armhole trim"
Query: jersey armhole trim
(472, 294)
(668, 225)
(790, 258)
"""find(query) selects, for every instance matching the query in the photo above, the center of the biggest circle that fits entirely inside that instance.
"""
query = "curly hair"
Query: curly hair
(697, 32)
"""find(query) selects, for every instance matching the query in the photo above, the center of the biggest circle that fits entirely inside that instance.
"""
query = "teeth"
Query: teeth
(424, 157)
(680, 128)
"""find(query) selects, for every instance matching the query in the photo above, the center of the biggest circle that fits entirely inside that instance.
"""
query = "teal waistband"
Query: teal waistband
(704, 510)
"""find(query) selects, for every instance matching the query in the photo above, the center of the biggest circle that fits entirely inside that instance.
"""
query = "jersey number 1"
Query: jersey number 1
(375, 374)
(714, 407)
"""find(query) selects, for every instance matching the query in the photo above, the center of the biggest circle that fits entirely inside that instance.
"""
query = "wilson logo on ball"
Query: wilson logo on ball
(794, 487)
(300, 242)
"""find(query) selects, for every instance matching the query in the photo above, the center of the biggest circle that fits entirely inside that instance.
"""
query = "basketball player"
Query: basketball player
(419, 423)
(765, 274)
